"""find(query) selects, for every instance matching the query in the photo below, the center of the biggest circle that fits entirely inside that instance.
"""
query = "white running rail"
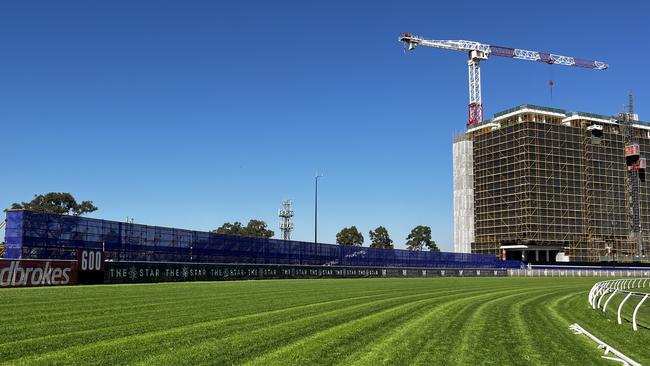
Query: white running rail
(600, 291)
(577, 329)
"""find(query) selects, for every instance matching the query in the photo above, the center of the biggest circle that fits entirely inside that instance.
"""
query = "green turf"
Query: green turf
(446, 321)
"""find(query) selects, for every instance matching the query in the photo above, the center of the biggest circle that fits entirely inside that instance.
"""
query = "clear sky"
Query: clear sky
(192, 113)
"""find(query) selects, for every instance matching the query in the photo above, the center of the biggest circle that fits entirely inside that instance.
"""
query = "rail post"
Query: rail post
(620, 307)
(635, 311)
(602, 297)
(607, 302)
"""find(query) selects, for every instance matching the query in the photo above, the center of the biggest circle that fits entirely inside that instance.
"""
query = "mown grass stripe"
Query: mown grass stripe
(148, 341)
(77, 307)
(208, 347)
(403, 344)
(120, 332)
(281, 301)
(126, 314)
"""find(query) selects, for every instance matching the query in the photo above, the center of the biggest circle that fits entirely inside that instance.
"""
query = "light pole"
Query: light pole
(316, 207)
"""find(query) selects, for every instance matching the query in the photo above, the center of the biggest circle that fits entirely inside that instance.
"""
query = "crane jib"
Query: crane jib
(546, 57)
(502, 51)
(481, 51)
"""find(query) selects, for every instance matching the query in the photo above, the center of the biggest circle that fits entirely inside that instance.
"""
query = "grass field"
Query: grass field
(494, 321)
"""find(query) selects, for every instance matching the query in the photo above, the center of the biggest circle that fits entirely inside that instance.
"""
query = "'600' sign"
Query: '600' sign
(90, 260)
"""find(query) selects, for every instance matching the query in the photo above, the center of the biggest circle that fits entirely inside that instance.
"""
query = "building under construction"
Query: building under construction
(545, 185)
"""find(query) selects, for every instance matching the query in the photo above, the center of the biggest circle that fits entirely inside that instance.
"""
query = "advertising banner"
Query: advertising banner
(28, 273)
(137, 272)
(90, 260)
(90, 266)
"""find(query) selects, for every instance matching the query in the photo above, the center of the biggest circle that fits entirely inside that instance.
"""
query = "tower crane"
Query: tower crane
(636, 168)
(479, 52)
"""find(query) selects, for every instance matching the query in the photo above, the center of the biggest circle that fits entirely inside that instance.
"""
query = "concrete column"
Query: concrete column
(547, 257)
(536, 255)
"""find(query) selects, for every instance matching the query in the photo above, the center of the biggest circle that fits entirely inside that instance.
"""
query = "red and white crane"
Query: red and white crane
(480, 51)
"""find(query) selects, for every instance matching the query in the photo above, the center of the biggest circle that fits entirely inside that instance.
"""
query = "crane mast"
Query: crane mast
(478, 52)
(636, 167)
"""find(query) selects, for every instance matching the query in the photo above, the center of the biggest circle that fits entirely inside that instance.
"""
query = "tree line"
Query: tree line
(417, 240)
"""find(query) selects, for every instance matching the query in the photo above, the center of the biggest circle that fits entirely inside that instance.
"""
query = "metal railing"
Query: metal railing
(602, 293)
(617, 355)
(563, 271)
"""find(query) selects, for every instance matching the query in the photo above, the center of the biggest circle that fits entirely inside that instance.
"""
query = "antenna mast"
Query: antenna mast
(286, 224)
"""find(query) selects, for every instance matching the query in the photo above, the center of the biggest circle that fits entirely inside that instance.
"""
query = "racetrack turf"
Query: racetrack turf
(428, 321)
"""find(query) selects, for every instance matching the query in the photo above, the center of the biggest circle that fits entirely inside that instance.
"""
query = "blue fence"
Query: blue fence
(38, 235)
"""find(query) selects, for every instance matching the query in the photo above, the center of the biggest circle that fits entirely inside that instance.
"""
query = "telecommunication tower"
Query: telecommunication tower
(286, 224)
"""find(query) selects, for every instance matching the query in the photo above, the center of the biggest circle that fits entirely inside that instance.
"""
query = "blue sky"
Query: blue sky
(190, 114)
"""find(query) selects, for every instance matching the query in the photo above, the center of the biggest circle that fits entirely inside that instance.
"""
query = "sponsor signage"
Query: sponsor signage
(135, 272)
(91, 268)
(90, 260)
(90, 265)
(28, 273)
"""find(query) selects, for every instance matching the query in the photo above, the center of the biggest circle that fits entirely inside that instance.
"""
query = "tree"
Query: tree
(433, 247)
(61, 203)
(349, 236)
(230, 229)
(258, 229)
(419, 238)
(254, 228)
(380, 238)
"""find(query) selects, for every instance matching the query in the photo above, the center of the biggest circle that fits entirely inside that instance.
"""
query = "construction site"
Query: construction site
(546, 185)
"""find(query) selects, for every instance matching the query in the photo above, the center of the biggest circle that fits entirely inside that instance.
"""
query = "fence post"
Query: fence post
(601, 297)
(607, 302)
(592, 293)
(635, 311)
(620, 307)
(596, 297)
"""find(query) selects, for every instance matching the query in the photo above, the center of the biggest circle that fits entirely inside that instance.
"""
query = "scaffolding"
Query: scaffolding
(550, 181)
